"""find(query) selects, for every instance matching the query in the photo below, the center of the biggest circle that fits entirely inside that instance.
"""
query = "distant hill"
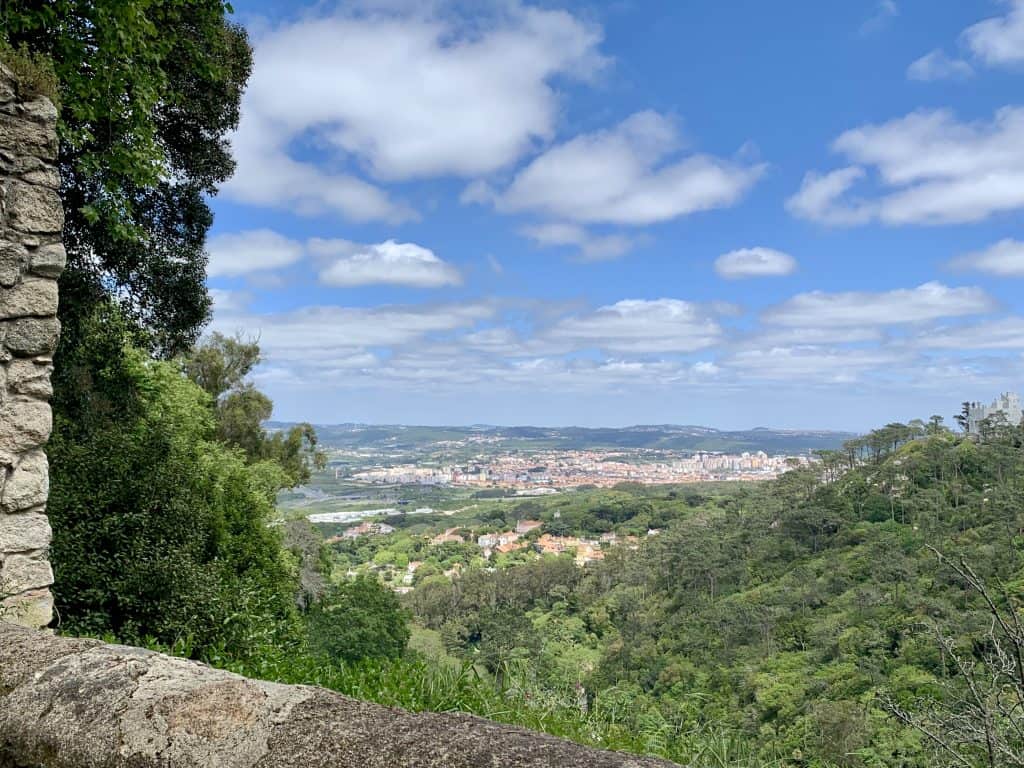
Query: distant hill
(653, 436)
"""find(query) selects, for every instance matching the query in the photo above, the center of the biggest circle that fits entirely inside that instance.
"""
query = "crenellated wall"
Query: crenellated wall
(31, 260)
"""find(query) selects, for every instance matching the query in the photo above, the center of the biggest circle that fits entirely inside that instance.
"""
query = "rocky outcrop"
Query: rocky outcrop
(67, 703)
(31, 260)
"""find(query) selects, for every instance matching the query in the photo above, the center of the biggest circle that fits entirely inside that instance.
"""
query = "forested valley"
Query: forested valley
(862, 611)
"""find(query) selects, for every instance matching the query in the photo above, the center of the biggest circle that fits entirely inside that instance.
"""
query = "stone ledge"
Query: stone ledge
(66, 703)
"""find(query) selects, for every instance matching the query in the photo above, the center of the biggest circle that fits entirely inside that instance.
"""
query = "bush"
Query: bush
(160, 533)
(361, 619)
(33, 72)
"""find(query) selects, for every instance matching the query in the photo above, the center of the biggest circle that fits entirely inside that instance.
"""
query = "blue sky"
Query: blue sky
(796, 214)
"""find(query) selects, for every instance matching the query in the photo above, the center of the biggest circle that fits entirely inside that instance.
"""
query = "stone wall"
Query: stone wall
(67, 703)
(31, 259)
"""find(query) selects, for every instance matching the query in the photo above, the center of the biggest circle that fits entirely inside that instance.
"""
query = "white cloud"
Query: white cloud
(1005, 258)
(1006, 333)
(403, 94)
(350, 264)
(267, 176)
(592, 247)
(885, 12)
(639, 326)
(936, 65)
(754, 262)
(934, 170)
(813, 363)
(819, 195)
(621, 176)
(994, 42)
(225, 301)
(929, 301)
(999, 41)
(242, 253)
(317, 335)
(803, 336)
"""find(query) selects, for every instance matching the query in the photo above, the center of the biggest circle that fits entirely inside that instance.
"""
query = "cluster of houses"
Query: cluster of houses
(584, 550)
(503, 542)
(363, 529)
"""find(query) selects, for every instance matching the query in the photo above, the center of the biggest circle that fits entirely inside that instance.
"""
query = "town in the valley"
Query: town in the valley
(569, 469)
(407, 504)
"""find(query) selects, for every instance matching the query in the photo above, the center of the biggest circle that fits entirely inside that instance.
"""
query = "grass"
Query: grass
(417, 684)
(32, 71)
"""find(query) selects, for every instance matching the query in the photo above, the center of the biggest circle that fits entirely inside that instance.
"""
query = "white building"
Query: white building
(1007, 405)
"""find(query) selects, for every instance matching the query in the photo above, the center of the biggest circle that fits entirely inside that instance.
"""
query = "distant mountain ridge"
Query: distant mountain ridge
(642, 436)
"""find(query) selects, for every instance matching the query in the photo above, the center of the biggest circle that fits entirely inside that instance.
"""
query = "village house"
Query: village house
(525, 526)
(367, 529)
(450, 536)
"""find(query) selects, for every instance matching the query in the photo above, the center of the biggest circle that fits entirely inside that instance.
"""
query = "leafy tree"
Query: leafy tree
(360, 619)
(149, 90)
(979, 720)
(159, 530)
(220, 365)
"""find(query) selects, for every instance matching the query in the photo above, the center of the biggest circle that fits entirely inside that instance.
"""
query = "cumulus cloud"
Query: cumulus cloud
(931, 168)
(1005, 258)
(350, 264)
(994, 42)
(624, 176)
(242, 253)
(857, 309)
(591, 247)
(819, 198)
(936, 65)
(999, 41)
(401, 94)
(754, 262)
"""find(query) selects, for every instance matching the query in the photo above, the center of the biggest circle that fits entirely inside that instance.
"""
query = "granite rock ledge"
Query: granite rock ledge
(70, 703)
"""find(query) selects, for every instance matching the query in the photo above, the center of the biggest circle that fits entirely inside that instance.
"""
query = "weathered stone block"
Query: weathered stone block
(29, 609)
(48, 260)
(31, 335)
(30, 378)
(24, 424)
(24, 533)
(41, 110)
(32, 297)
(27, 137)
(12, 257)
(24, 572)
(32, 208)
(16, 165)
(44, 175)
(28, 485)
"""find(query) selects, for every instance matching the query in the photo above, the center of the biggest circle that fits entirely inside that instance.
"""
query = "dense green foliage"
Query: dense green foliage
(220, 366)
(359, 619)
(148, 91)
(160, 530)
(787, 619)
